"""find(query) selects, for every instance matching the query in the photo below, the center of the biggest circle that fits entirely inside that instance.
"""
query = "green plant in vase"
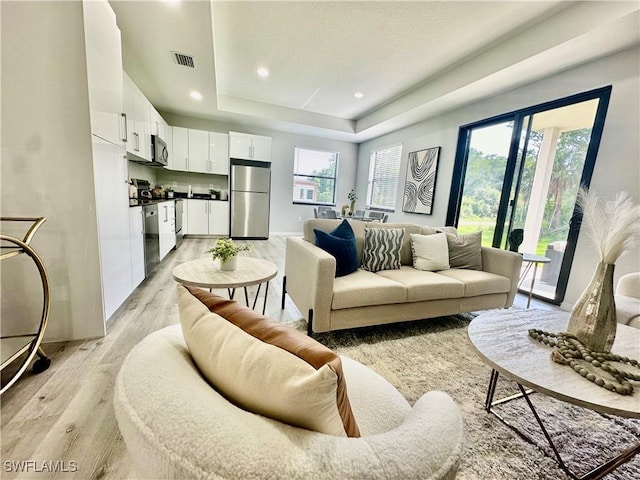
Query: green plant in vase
(226, 250)
(352, 198)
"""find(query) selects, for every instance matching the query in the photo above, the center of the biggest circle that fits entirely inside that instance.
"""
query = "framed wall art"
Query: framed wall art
(420, 184)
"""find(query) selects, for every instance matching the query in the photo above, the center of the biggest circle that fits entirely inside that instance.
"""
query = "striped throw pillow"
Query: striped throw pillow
(382, 248)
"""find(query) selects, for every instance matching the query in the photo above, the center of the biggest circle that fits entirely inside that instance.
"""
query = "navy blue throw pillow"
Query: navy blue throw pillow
(341, 243)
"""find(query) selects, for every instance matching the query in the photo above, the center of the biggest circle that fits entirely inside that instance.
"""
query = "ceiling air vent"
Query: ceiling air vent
(183, 59)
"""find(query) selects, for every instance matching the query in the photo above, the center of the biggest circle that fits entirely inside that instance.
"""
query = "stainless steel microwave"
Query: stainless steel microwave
(159, 152)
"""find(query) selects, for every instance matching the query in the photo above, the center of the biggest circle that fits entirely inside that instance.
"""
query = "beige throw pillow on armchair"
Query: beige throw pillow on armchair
(264, 366)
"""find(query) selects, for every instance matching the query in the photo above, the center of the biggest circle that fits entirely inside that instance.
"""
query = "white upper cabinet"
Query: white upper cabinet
(218, 153)
(104, 71)
(168, 132)
(137, 119)
(158, 126)
(179, 159)
(250, 147)
(198, 151)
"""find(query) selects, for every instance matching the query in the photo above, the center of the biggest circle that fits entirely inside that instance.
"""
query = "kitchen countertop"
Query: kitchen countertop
(138, 202)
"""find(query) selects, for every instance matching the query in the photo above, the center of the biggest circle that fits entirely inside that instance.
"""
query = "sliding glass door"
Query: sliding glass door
(522, 170)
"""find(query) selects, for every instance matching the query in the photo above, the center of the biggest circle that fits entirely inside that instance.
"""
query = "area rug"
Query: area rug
(435, 354)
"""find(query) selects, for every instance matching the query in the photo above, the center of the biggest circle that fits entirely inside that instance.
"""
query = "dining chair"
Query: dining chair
(315, 213)
(359, 214)
(376, 215)
(329, 213)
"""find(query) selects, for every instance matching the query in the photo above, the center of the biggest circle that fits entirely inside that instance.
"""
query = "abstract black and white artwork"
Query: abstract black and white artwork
(420, 184)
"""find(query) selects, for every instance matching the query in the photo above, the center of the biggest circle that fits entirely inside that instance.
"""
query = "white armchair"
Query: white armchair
(627, 299)
(175, 425)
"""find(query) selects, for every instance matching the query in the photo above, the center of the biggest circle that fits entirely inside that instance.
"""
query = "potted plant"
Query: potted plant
(169, 192)
(227, 250)
(215, 194)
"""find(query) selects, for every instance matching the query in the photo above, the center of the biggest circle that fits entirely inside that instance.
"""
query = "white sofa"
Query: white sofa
(175, 425)
(364, 298)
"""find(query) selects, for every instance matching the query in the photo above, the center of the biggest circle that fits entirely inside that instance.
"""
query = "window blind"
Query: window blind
(314, 176)
(384, 170)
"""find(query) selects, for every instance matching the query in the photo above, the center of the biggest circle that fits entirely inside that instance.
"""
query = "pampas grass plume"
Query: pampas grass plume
(613, 226)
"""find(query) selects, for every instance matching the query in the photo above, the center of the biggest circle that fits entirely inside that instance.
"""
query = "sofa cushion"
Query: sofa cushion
(382, 249)
(430, 252)
(362, 288)
(422, 285)
(465, 251)
(264, 366)
(478, 282)
(406, 257)
(341, 243)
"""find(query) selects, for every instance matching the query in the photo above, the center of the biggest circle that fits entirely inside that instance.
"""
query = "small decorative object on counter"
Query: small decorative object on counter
(227, 250)
(352, 198)
(133, 190)
(157, 192)
(215, 194)
(169, 192)
(612, 226)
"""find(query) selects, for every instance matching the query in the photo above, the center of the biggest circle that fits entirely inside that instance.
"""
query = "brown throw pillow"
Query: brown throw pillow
(264, 366)
(465, 251)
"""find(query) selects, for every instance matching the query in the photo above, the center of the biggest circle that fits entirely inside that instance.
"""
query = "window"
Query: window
(384, 169)
(314, 176)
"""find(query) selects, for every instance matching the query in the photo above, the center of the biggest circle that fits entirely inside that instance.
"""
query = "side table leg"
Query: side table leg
(266, 292)
(533, 281)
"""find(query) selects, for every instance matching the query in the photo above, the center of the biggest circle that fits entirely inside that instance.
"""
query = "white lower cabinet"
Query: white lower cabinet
(219, 218)
(136, 224)
(167, 227)
(207, 217)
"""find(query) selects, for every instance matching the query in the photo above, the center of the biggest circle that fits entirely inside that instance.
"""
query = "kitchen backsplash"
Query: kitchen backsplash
(179, 181)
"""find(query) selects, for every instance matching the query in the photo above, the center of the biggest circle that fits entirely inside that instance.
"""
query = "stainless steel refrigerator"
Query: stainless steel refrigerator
(250, 192)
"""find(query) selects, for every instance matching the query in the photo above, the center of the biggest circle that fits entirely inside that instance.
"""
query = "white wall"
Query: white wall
(47, 167)
(617, 166)
(285, 216)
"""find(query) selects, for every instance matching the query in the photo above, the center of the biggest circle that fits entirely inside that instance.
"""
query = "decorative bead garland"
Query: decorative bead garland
(568, 350)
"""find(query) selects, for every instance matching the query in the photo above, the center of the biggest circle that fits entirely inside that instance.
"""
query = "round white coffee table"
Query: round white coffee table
(501, 339)
(206, 273)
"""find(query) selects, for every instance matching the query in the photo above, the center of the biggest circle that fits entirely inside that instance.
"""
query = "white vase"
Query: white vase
(228, 265)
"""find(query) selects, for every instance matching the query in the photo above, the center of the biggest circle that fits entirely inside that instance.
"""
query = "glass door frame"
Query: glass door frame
(518, 117)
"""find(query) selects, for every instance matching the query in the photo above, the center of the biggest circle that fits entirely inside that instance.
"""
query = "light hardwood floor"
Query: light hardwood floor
(65, 414)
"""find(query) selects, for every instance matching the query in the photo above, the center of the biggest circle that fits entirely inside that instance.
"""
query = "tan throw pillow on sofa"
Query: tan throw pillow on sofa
(264, 366)
(430, 252)
(465, 251)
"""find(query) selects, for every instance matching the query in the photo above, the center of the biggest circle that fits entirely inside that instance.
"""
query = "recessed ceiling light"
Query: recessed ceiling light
(196, 95)
(263, 72)
(358, 94)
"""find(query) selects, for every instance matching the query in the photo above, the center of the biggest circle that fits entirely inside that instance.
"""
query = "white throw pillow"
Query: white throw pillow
(430, 252)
